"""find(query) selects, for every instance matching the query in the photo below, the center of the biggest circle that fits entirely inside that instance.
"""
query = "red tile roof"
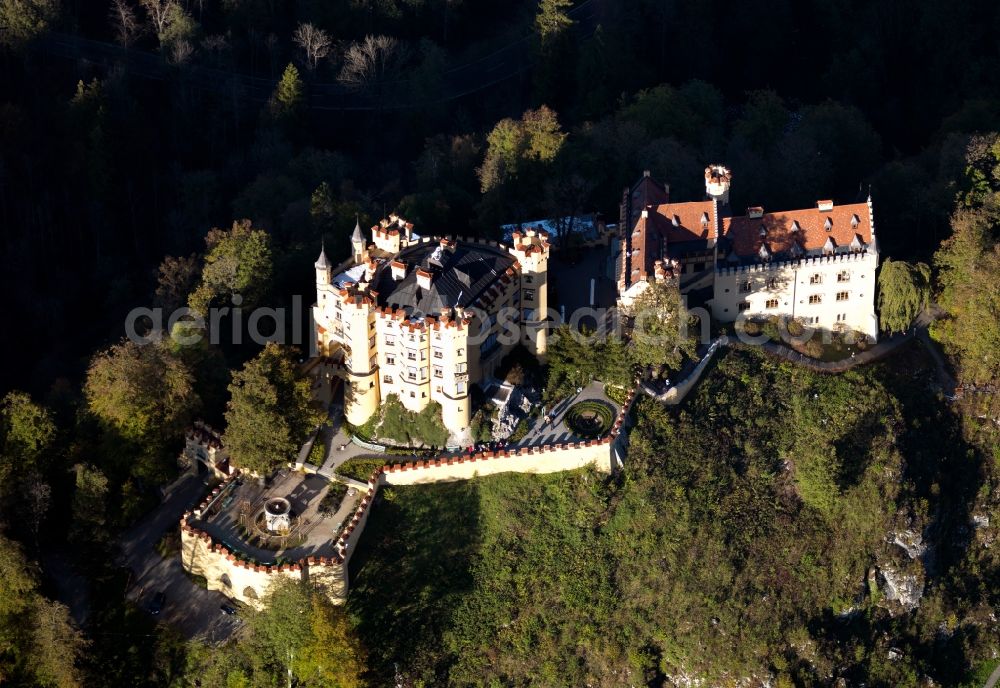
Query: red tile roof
(672, 222)
(745, 235)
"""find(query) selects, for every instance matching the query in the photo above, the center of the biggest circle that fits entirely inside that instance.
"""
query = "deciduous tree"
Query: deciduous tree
(23, 20)
(237, 261)
(142, 392)
(662, 332)
(314, 42)
(270, 412)
(904, 291)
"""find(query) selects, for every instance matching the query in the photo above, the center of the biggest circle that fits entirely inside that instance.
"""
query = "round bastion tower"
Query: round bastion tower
(718, 179)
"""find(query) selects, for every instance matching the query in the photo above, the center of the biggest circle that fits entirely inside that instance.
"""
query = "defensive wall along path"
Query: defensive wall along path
(237, 575)
(240, 577)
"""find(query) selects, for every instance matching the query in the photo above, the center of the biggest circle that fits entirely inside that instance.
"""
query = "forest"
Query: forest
(175, 153)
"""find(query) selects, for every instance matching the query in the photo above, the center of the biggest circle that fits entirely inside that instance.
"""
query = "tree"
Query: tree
(238, 261)
(124, 21)
(23, 20)
(142, 392)
(368, 61)
(513, 144)
(26, 431)
(904, 291)
(661, 336)
(288, 98)
(314, 42)
(57, 645)
(968, 263)
(333, 657)
(270, 412)
(176, 278)
(552, 19)
(90, 501)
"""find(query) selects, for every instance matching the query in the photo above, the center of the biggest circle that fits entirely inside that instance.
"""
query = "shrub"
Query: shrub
(616, 394)
(360, 468)
(333, 498)
(590, 418)
(407, 427)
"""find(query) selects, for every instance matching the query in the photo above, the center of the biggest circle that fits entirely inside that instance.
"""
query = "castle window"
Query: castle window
(411, 373)
(460, 388)
(772, 283)
(423, 395)
(390, 341)
(438, 372)
(390, 360)
(389, 325)
(423, 355)
(529, 294)
(816, 279)
(371, 341)
(528, 279)
(371, 363)
(772, 303)
(413, 337)
(745, 287)
(460, 368)
(815, 298)
(437, 353)
(843, 295)
(744, 306)
(460, 352)
(411, 355)
(413, 395)
(387, 379)
(843, 276)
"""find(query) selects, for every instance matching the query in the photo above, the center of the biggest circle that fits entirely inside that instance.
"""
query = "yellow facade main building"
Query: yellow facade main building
(424, 318)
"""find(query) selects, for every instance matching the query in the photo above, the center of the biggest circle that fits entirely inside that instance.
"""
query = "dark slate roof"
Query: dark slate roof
(467, 272)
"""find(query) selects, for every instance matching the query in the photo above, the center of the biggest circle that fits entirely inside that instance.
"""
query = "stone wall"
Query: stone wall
(549, 459)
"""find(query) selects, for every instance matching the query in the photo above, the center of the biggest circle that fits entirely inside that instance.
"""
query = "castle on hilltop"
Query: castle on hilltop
(816, 265)
(425, 318)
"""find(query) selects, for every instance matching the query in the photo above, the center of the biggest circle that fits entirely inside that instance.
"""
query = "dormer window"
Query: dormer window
(829, 246)
(704, 219)
(856, 244)
(676, 221)
(764, 253)
(762, 231)
(855, 221)
(796, 250)
(795, 226)
(828, 224)
(816, 279)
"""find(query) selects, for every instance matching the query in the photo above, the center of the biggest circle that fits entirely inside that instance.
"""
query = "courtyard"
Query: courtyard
(236, 517)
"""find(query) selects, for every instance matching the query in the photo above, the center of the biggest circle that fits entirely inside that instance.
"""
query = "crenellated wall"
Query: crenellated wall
(247, 581)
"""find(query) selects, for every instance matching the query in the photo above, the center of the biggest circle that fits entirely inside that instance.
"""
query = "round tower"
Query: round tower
(718, 179)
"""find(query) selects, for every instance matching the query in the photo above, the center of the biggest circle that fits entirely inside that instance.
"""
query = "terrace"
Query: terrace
(308, 525)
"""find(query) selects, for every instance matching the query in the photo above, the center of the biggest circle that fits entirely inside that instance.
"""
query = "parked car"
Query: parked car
(228, 609)
(156, 606)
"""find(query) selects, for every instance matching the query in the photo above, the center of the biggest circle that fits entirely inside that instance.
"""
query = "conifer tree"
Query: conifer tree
(289, 95)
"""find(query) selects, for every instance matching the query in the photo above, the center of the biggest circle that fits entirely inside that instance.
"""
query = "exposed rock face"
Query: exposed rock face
(902, 590)
(910, 541)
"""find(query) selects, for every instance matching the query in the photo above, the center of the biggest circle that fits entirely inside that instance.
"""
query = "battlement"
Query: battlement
(809, 261)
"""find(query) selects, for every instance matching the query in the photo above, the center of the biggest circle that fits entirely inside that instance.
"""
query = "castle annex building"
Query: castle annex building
(424, 318)
(816, 265)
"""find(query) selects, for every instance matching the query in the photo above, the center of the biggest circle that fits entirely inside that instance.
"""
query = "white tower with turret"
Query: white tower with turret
(718, 179)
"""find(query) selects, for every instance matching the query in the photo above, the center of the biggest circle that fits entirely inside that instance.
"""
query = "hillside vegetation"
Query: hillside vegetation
(748, 538)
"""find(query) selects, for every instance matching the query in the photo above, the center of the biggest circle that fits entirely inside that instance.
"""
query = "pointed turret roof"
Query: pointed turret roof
(322, 262)
(357, 236)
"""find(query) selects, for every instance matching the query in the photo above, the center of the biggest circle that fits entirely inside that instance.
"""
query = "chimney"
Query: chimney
(824, 206)
(407, 229)
(398, 270)
(756, 212)
(423, 279)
